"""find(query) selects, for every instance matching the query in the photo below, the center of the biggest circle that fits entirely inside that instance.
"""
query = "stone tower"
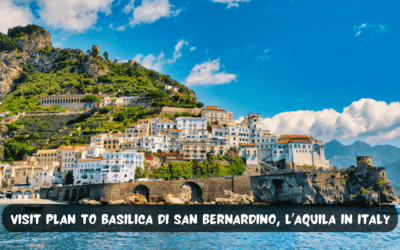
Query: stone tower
(364, 161)
(96, 47)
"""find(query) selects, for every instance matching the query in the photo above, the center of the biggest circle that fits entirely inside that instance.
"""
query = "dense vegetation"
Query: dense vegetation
(6, 43)
(212, 166)
(28, 30)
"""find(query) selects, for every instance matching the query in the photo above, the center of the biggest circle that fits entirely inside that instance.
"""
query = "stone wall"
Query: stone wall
(211, 188)
(173, 110)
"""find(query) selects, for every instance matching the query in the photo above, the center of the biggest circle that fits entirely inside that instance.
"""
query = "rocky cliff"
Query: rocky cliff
(364, 186)
(36, 49)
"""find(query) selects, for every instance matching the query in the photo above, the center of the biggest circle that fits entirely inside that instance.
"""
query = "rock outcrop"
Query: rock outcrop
(366, 186)
(135, 199)
(185, 195)
(87, 201)
(231, 198)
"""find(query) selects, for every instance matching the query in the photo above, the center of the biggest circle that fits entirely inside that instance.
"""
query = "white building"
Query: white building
(88, 171)
(190, 125)
(121, 166)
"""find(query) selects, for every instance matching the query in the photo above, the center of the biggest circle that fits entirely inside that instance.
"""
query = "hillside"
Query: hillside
(393, 173)
(31, 67)
(342, 156)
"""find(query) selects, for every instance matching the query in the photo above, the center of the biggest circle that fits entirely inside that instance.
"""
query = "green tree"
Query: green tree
(16, 149)
(120, 116)
(5, 184)
(199, 104)
(158, 93)
(91, 99)
(69, 178)
(105, 54)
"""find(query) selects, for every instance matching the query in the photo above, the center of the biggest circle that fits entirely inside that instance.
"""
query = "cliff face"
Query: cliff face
(361, 186)
(12, 63)
(37, 49)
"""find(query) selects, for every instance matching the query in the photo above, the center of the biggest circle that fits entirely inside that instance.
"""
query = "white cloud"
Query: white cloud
(192, 48)
(57, 45)
(177, 52)
(207, 73)
(151, 61)
(231, 3)
(74, 15)
(155, 62)
(375, 120)
(372, 28)
(12, 15)
(264, 55)
(150, 11)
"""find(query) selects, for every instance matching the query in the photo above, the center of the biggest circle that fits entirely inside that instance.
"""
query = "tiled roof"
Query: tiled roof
(71, 147)
(175, 130)
(145, 120)
(282, 141)
(213, 109)
(46, 151)
(93, 159)
(295, 136)
(164, 120)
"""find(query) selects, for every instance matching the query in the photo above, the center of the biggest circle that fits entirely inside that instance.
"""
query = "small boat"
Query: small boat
(33, 207)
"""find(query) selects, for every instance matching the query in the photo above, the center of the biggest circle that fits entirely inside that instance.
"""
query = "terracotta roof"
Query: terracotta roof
(71, 147)
(81, 151)
(145, 120)
(282, 141)
(93, 159)
(247, 144)
(298, 140)
(175, 130)
(19, 161)
(213, 109)
(46, 151)
(91, 148)
(202, 129)
(164, 120)
(295, 136)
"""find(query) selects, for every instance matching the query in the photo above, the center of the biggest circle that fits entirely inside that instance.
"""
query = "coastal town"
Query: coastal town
(79, 127)
(115, 157)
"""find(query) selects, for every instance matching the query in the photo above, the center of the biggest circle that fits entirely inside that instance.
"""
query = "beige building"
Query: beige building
(33, 172)
(68, 156)
(48, 155)
(70, 101)
(214, 114)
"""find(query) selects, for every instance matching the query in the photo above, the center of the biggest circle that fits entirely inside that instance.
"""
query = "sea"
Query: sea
(390, 240)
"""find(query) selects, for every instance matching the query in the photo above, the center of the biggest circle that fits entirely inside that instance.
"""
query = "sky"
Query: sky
(327, 68)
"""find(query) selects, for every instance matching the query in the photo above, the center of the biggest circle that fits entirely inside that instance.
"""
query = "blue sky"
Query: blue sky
(337, 59)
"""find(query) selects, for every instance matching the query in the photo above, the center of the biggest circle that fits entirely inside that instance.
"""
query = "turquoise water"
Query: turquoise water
(389, 240)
